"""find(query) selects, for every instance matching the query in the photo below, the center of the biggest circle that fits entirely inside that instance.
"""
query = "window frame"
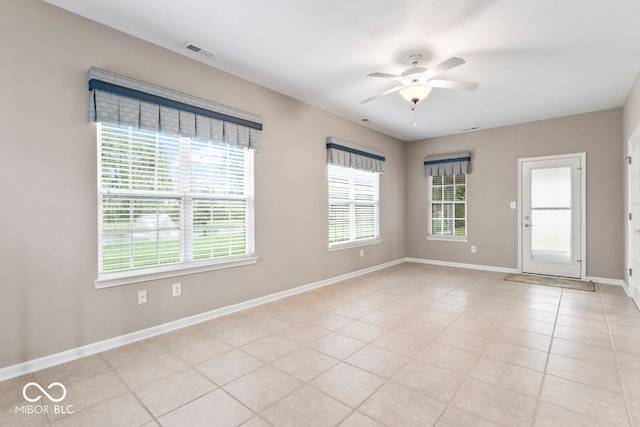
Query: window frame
(353, 241)
(430, 207)
(185, 197)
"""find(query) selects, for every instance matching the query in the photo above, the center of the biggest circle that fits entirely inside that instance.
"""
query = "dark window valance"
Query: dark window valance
(447, 164)
(121, 100)
(348, 154)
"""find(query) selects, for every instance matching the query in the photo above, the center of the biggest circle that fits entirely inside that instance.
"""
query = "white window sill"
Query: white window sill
(126, 278)
(448, 238)
(354, 244)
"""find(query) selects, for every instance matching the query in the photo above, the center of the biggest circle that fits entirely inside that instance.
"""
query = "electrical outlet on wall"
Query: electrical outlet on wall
(473, 249)
(176, 289)
(142, 296)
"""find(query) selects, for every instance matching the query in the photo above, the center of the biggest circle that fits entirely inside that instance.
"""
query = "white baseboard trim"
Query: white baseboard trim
(463, 265)
(607, 281)
(34, 365)
(600, 280)
(633, 293)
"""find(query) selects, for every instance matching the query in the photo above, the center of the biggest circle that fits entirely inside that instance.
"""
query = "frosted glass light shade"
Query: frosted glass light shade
(415, 92)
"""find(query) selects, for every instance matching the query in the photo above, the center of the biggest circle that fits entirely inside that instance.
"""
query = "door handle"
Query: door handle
(528, 225)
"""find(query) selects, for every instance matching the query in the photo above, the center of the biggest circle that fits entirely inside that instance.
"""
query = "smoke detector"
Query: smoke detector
(199, 50)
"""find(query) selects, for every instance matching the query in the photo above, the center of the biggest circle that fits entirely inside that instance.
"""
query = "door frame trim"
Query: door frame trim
(631, 287)
(583, 206)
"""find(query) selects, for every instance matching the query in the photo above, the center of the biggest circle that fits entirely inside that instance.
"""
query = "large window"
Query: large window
(168, 203)
(353, 206)
(448, 203)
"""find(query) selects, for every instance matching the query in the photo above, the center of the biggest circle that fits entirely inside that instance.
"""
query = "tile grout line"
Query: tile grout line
(112, 370)
(571, 357)
(468, 376)
(546, 362)
(129, 389)
(269, 363)
(344, 361)
(303, 383)
(339, 361)
(386, 380)
(448, 405)
(389, 380)
(188, 366)
(615, 355)
(366, 343)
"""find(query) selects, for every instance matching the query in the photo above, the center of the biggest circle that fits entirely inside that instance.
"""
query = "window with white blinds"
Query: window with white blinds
(353, 205)
(169, 203)
(448, 206)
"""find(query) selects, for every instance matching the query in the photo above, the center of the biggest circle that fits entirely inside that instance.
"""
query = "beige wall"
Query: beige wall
(493, 185)
(48, 250)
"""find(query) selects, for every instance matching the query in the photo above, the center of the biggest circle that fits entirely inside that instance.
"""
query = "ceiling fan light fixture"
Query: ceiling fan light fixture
(415, 92)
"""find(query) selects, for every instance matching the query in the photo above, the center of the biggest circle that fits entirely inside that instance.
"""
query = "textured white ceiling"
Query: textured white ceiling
(534, 59)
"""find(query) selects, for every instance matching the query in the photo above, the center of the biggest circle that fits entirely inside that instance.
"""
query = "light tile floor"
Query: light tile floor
(409, 345)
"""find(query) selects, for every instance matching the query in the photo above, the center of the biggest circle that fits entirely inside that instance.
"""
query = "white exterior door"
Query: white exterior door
(551, 215)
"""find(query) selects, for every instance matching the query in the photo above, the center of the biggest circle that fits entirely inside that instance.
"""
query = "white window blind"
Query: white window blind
(353, 205)
(449, 206)
(167, 202)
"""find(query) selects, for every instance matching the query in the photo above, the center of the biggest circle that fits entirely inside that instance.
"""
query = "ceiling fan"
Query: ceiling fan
(417, 82)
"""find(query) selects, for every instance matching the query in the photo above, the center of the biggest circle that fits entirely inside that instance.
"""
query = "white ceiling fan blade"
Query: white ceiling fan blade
(450, 84)
(444, 66)
(386, 92)
(385, 75)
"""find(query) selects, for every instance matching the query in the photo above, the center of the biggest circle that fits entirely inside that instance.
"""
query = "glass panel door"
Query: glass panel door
(551, 216)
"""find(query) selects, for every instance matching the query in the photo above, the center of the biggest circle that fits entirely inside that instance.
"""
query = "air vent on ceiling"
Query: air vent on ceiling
(199, 50)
